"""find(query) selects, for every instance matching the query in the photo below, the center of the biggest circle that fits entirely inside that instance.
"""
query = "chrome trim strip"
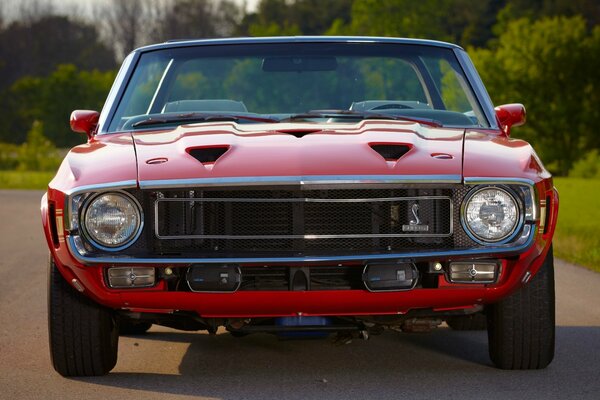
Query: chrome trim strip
(298, 180)
(70, 193)
(102, 186)
(490, 179)
(295, 199)
(483, 251)
(295, 39)
(300, 200)
(308, 237)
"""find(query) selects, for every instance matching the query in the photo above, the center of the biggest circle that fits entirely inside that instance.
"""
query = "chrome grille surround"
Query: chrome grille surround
(141, 252)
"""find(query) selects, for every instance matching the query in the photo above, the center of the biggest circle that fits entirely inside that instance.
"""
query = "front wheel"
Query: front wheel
(521, 326)
(83, 335)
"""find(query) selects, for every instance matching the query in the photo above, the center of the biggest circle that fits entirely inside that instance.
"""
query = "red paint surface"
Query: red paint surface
(263, 150)
(260, 150)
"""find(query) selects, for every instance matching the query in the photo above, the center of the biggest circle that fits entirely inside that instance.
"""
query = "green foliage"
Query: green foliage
(515, 9)
(587, 167)
(51, 100)
(274, 29)
(404, 18)
(550, 65)
(37, 153)
(458, 21)
(25, 179)
(576, 238)
(295, 17)
(9, 156)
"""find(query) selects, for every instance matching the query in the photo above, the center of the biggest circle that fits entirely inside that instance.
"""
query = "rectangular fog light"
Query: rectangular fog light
(131, 277)
(473, 272)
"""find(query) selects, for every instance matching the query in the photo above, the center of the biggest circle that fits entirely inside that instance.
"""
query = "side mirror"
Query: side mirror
(510, 115)
(84, 121)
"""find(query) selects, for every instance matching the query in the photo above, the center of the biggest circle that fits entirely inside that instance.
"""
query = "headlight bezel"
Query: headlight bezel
(88, 201)
(510, 236)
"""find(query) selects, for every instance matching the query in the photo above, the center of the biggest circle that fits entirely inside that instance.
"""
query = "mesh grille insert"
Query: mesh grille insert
(230, 223)
(302, 217)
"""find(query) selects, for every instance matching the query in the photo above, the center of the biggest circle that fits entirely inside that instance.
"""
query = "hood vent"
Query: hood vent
(390, 151)
(207, 155)
(299, 133)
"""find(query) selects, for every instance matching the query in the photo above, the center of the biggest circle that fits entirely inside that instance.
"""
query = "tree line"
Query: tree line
(543, 53)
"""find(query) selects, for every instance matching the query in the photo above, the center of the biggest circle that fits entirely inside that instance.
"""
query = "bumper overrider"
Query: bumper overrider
(270, 284)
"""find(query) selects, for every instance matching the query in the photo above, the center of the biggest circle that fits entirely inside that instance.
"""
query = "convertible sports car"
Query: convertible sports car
(300, 186)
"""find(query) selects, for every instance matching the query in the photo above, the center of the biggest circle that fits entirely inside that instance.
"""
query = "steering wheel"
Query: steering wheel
(392, 106)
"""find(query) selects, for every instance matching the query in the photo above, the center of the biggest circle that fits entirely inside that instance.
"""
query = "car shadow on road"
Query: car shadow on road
(261, 366)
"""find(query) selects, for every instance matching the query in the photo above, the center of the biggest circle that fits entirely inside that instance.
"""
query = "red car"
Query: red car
(300, 186)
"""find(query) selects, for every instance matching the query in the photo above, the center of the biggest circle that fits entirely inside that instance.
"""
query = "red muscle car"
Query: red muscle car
(299, 186)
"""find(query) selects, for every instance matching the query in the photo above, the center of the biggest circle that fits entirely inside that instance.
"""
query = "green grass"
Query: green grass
(577, 236)
(25, 179)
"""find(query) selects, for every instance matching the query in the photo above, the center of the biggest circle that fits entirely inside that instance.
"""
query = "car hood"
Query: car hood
(297, 150)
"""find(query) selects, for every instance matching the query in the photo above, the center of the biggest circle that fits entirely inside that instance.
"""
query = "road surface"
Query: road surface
(167, 364)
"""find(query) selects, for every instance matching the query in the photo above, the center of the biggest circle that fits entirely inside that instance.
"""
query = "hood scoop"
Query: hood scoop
(207, 155)
(390, 151)
(299, 133)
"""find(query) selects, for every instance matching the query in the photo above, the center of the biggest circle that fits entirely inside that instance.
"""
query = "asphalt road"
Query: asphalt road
(167, 364)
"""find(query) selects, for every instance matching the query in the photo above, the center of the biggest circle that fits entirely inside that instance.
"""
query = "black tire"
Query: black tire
(129, 327)
(471, 322)
(83, 335)
(521, 326)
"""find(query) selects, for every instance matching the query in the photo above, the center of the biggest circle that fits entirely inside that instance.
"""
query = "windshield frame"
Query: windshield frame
(124, 77)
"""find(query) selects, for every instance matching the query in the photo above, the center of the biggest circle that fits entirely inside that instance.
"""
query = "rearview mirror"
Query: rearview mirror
(510, 115)
(84, 121)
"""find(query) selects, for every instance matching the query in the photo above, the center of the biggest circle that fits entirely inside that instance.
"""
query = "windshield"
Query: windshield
(298, 82)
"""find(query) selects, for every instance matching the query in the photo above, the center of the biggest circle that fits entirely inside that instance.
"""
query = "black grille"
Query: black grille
(304, 216)
(200, 227)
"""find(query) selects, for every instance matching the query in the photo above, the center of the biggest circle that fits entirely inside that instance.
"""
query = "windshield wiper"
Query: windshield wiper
(349, 114)
(199, 117)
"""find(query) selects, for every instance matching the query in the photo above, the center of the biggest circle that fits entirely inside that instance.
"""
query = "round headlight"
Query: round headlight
(491, 214)
(112, 219)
